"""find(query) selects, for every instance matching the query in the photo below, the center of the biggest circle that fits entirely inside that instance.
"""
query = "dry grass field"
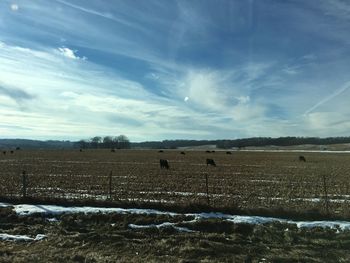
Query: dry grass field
(108, 238)
(241, 180)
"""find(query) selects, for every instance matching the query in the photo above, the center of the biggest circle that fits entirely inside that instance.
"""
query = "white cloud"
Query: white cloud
(14, 7)
(69, 53)
(243, 99)
(76, 100)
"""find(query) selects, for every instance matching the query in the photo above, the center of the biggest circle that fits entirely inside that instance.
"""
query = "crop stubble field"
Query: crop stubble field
(246, 180)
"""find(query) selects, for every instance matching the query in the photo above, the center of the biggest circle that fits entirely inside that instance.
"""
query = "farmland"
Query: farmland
(254, 181)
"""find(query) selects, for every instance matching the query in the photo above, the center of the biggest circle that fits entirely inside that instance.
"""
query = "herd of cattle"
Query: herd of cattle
(4, 152)
(165, 163)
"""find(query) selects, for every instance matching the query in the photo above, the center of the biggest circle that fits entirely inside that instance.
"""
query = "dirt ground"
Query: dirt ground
(240, 180)
(109, 238)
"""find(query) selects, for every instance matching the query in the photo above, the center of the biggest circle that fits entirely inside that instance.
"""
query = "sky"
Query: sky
(191, 69)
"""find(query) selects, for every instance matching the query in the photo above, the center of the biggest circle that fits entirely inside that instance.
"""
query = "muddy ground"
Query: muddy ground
(109, 238)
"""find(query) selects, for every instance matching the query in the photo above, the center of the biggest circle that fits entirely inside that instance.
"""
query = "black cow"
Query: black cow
(160, 151)
(302, 158)
(228, 153)
(113, 150)
(211, 162)
(207, 151)
(4, 152)
(11, 152)
(164, 164)
(80, 150)
(183, 153)
(213, 151)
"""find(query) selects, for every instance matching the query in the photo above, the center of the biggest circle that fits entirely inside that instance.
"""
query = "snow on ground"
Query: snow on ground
(165, 224)
(19, 238)
(25, 209)
(50, 210)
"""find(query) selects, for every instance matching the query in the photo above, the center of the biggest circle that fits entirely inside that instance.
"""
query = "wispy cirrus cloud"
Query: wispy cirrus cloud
(336, 93)
(15, 94)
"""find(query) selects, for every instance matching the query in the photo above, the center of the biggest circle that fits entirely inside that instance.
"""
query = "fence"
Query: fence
(203, 188)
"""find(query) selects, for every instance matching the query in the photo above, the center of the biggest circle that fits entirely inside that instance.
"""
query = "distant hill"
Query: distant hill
(242, 143)
(35, 144)
(175, 144)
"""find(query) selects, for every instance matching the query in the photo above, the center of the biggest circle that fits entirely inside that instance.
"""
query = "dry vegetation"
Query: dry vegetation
(108, 238)
(241, 180)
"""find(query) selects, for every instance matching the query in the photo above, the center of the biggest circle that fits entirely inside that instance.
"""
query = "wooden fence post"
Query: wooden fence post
(325, 194)
(110, 185)
(24, 184)
(207, 188)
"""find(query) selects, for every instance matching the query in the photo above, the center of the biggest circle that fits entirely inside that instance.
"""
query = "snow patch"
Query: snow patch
(165, 224)
(20, 238)
(25, 209)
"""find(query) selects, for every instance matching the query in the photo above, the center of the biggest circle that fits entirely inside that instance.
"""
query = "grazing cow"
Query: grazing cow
(160, 151)
(213, 151)
(164, 164)
(80, 150)
(113, 150)
(4, 152)
(207, 151)
(183, 153)
(11, 152)
(211, 162)
(302, 158)
(228, 153)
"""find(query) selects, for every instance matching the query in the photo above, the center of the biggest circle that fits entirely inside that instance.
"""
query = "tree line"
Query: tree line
(122, 142)
(241, 143)
(113, 142)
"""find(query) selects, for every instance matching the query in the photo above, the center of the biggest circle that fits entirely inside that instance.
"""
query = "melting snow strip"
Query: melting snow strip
(25, 210)
(19, 238)
(165, 224)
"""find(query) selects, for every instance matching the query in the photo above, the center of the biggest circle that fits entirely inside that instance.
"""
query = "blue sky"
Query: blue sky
(154, 70)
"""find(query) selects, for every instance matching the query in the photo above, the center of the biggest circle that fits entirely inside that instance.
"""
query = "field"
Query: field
(243, 180)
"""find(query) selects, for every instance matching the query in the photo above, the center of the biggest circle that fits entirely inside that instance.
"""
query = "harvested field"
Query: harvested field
(241, 180)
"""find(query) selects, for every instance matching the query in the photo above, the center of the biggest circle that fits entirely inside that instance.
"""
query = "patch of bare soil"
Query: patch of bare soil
(109, 238)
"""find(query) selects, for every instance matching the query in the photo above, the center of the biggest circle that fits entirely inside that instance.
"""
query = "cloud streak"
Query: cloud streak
(16, 94)
(339, 91)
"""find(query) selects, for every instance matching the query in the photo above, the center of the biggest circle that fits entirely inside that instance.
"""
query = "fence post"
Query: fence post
(24, 184)
(325, 193)
(207, 188)
(110, 185)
